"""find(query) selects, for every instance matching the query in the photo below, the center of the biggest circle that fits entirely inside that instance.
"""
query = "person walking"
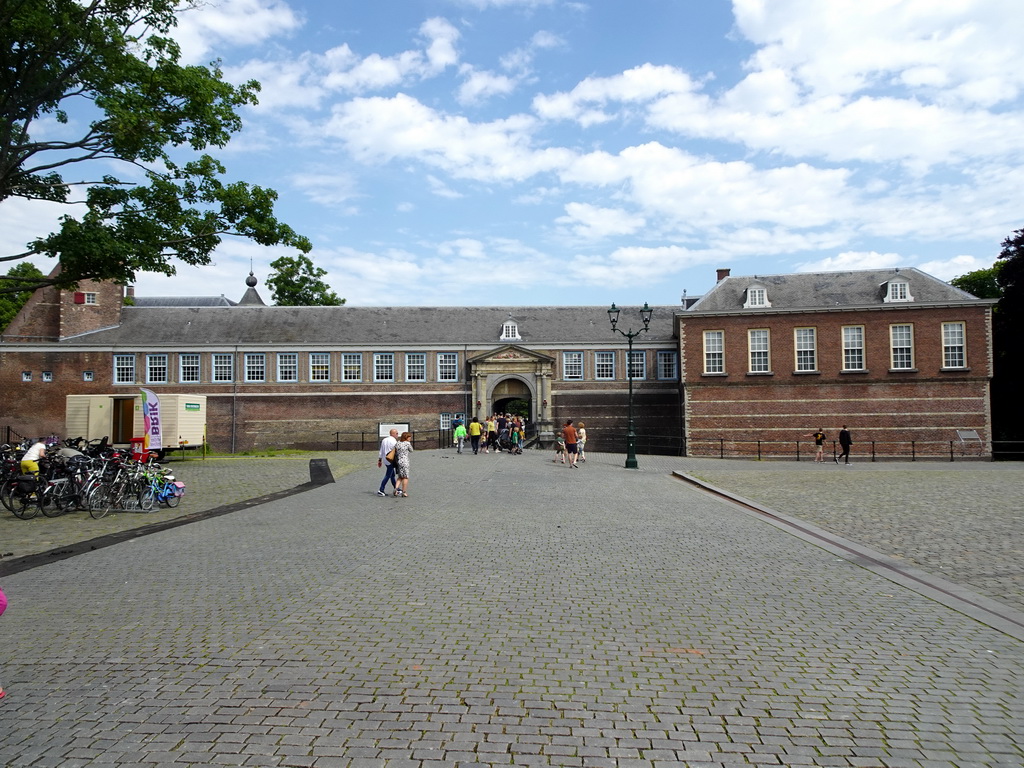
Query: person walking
(460, 436)
(581, 435)
(386, 445)
(492, 435)
(475, 429)
(845, 441)
(571, 444)
(819, 442)
(402, 452)
(559, 448)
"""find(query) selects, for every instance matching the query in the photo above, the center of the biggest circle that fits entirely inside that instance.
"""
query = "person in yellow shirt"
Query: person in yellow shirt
(475, 429)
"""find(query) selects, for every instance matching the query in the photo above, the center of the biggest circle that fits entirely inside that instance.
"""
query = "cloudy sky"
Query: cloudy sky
(511, 152)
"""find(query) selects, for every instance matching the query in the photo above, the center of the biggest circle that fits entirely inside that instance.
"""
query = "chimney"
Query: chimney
(722, 274)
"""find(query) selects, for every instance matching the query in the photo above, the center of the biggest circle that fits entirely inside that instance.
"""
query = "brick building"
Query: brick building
(902, 358)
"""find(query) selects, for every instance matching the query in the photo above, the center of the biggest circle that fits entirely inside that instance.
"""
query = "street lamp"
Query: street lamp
(645, 317)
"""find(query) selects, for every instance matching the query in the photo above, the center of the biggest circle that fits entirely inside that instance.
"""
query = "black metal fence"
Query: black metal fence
(873, 450)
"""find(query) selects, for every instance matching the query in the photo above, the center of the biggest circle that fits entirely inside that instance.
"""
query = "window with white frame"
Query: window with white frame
(572, 365)
(758, 351)
(287, 366)
(446, 421)
(27, 376)
(637, 364)
(223, 367)
(954, 348)
(415, 366)
(89, 298)
(156, 369)
(255, 367)
(668, 365)
(898, 290)
(714, 351)
(510, 331)
(604, 365)
(47, 375)
(806, 341)
(188, 368)
(319, 366)
(447, 366)
(853, 347)
(124, 369)
(352, 366)
(757, 296)
(384, 366)
(901, 345)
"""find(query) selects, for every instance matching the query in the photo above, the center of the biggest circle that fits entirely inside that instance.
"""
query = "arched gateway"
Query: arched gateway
(513, 373)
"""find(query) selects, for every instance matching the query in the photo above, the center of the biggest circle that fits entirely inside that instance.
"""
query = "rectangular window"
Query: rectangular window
(90, 298)
(853, 347)
(47, 375)
(446, 420)
(415, 366)
(668, 367)
(124, 369)
(352, 366)
(287, 366)
(572, 365)
(156, 369)
(223, 368)
(714, 351)
(319, 366)
(806, 349)
(604, 365)
(954, 350)
(901, 340)
(757, 347)
(255, 367)
(757, 297)
(384, 366)
(637, 366)
(188, 368)
(447, 366)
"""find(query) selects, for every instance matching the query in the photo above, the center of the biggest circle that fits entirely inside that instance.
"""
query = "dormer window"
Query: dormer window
(898, 290)
(510, 330)
(757, 296)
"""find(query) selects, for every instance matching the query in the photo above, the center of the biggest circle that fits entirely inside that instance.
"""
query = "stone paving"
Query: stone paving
(516, 612)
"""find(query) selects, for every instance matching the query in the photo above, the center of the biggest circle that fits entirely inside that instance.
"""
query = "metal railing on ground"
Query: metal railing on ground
(873, 450)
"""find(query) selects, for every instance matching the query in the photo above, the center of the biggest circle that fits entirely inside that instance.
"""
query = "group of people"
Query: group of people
(845, 441)
(495, 431)
(571, 443)
(395, 450)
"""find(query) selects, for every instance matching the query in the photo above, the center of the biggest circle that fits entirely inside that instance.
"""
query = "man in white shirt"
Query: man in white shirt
(386, 445)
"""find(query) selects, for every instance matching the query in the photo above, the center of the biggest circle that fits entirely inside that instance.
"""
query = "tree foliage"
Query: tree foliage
(983, 283)
(296, 282)
(24, 274)
(94, 88)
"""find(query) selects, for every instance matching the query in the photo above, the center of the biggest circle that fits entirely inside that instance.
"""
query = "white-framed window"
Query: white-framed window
(636, 367)
(758, 350)
(287, 366)
(319, 366)
(124, 369)
(156, 369)
(604, 365)
(898, 290)
(26, 375)
(89, 298)
(255, 367)
(47, 375)
(572, 365)
(384, 366)
(352, 366)
(714, 351)
(445, 421)
(223, 367)
(757, 296)
(806, 342)
(901, 345)
(88, 375)
(954, 345)
(447, 366)
(853, 347)
(188, 368)
(668, 365)
(510, 331)
(415, 366)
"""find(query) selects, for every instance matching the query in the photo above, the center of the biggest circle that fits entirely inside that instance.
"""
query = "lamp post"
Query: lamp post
(645, 317)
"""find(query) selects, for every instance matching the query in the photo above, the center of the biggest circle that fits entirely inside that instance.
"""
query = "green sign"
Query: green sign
(192, 406)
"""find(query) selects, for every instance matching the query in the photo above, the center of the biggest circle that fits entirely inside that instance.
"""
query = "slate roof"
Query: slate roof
(829, 290)
(183, 301)
(433, 327)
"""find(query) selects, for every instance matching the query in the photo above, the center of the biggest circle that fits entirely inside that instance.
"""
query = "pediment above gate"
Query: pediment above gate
(511, 354)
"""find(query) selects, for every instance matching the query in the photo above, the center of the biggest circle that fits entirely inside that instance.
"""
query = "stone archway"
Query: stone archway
(509, 391)
(513, 373)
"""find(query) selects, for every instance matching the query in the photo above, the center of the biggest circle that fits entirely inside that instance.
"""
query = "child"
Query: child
(559, 448)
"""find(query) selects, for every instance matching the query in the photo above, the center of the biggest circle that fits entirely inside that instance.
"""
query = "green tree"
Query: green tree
(25, 274)
(983, 283)
(1007, 330)
(126, 129)
(295, 282)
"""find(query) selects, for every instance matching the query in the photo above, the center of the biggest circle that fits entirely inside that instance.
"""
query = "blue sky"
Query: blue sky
(514, 152)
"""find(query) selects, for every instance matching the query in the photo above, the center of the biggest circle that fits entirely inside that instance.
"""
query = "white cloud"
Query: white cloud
(206, 26)
(478, 85)
(328, 189)
(852, 260)
(590, 222)
(947, 269)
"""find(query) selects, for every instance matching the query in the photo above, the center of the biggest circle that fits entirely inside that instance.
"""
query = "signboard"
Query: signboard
(151, 424)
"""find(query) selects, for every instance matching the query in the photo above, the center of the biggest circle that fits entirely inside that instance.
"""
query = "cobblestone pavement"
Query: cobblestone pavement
(512, 611)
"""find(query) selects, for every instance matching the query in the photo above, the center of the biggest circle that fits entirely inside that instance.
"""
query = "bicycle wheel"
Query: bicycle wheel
(25, 505)
(172, 499)
(147, 499)
(98, 502)
(6, 490)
